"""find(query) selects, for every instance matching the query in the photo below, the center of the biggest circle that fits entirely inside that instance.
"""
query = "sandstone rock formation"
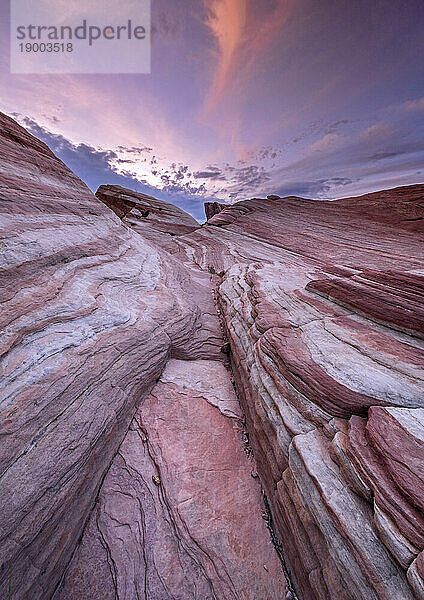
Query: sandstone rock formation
(91, 313)
(125, 467)
(213, 208)
(195, 535)
(155, 220)
(322, 304)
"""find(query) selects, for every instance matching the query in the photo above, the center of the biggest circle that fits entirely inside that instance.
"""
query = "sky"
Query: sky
(315, 98)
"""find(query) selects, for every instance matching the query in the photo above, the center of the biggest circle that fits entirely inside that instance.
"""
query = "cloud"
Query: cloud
(210, 173)
(378, 132)
(226, 19)
(135, 149)
(96, 166)
(320, 188)
(335, 126)
(328, 142)
(384, 155)
(410, 105)
(243, 31)
(243, 182)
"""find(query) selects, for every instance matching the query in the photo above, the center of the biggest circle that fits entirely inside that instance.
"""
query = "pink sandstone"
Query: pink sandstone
(322, 305)
(213, 208)
(91, 315)
(193, 535)
(123, 474)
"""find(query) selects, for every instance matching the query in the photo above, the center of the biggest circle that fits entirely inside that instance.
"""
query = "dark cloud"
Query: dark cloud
(92, 165)
(135, 149)
(335, 126)
(245, 182)
(253, 176)
(313, 189)
(383, 155)
(209, 173)
(395, 149)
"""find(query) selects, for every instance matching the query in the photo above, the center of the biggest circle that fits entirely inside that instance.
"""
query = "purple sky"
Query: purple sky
(317, 98)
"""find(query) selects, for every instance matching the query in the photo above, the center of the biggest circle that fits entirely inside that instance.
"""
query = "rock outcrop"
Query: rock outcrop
(322, 305)
(213, 208)
(126, 460)
(155, 220)
(91, 314)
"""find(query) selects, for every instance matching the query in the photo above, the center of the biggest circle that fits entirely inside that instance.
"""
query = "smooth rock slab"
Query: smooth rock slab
(200, 533)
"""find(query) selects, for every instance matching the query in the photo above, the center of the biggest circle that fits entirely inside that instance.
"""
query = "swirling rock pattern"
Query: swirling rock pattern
(122, 471)
(191, 536)
(91, 313)
(322, 305)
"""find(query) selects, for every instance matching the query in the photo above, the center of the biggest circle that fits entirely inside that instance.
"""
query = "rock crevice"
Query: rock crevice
(122, 467)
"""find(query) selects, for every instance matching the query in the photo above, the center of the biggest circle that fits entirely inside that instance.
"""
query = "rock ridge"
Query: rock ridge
(124, 465)
(93, 315)
(325, 331)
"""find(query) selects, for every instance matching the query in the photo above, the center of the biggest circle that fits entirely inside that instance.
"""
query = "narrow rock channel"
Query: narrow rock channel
(151, 365)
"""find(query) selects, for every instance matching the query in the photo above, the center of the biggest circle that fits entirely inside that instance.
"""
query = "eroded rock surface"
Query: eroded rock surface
(322, 304)
(191, 536)
(155, 220)
(91, 313)
(213, 208)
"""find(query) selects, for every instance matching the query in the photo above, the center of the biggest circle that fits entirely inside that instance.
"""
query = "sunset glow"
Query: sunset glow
(293, 97)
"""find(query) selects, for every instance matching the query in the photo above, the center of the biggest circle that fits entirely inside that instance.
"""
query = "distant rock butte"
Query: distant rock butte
(125, 470)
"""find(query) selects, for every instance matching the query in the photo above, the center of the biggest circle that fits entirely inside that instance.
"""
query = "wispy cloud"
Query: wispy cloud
(410, 106)
(226, 19)
(243, 31)
(328, 142)
(246, 97)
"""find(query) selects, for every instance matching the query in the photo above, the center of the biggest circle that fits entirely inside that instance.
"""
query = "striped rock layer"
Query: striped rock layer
(322, 304)
(125, 455)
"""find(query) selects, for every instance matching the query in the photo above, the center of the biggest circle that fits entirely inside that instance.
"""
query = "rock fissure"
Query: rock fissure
(158, 370)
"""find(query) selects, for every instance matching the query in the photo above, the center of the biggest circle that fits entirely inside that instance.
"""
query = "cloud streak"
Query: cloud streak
(243, 31)
(226, 20)
(245, 98)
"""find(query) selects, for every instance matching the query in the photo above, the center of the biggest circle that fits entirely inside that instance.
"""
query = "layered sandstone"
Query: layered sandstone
(125, 466)
(91, 314)
(213, 208)
(155, 220)
(177, 514)
(322, 305)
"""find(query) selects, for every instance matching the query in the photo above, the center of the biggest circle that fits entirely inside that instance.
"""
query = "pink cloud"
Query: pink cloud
(327, 142)
(242, 34)
(226, 19)
(413, 105)
(379, 131)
